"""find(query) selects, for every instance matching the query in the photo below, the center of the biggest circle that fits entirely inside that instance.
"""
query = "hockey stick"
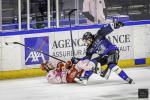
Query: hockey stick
(69, 14)
(35, 50)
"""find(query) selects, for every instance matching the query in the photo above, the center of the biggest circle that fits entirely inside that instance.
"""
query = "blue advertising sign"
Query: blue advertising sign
(39, 44)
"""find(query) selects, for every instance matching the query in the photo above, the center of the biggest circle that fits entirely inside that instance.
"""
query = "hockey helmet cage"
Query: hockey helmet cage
(87, 36)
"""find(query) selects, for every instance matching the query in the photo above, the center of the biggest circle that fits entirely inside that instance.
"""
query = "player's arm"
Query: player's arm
(76, 60)
(89, 16)
(86, 9)
(108, 28)
(87, 56)
(104, 8)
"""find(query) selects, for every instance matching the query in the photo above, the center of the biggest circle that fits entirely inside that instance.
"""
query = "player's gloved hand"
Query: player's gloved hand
(74, 60)
(118, 25)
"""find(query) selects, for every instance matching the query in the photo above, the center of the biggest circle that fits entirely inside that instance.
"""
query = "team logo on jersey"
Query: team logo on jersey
(39, 44)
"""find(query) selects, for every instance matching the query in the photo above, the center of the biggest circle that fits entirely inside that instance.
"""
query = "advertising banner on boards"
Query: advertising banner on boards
(39, 44)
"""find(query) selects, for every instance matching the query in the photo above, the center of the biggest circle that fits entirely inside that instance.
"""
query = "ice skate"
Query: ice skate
(130, 81)
(81, 80)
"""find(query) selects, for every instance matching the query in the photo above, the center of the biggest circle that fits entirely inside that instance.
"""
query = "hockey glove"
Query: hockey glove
(118, 25)
(75, 60)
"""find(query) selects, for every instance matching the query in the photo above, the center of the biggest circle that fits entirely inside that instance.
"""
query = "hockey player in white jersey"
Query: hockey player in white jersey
(62, 73)
(65, 72)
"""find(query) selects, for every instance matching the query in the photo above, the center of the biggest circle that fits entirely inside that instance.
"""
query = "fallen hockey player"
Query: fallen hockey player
(65, 72)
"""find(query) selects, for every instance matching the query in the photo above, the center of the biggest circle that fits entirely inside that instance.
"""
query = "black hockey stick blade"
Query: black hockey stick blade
(16, 43)
(6, 43)
(71, 11)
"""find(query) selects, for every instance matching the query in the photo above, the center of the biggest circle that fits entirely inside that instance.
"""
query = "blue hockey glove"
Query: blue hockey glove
(118, 25)
(74, 60)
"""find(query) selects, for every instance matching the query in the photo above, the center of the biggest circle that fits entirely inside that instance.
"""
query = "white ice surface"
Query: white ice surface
(97, 88)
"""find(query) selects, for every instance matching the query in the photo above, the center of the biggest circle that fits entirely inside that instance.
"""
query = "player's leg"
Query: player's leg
(72, 73)
(103, 65)
(83, 79)
(112, 63)
(88, 67)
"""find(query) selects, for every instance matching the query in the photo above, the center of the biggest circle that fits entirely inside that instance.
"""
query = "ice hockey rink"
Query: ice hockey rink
(98, 88)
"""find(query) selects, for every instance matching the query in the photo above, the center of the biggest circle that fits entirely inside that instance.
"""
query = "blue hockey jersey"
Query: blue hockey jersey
(101, 45)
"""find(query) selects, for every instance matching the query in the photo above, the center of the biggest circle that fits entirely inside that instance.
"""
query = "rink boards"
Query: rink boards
(17, 61)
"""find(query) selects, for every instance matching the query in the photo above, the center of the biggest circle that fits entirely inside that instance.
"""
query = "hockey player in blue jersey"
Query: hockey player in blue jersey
(107, 53)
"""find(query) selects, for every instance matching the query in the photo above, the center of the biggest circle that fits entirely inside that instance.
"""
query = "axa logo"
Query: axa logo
(39, 44)
(35, 57)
